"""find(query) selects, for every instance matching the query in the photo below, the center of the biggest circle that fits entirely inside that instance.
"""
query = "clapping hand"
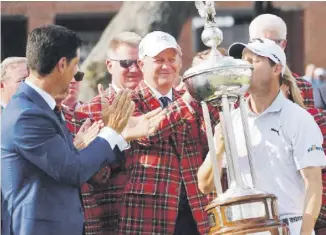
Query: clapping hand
(117, 115)
(144, 125)
(87, 133)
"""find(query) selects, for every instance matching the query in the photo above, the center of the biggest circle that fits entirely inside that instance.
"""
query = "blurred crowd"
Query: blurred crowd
(317, 77)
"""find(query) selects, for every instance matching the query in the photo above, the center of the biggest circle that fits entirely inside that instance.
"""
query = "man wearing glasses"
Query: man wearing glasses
(13, 71)
(274, 28)
(121, 61)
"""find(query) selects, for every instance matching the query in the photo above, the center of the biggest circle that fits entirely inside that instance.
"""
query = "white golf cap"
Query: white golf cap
(155, 42)
(263, 47)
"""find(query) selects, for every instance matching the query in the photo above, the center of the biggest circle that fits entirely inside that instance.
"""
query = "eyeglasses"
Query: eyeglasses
(126, 63)
(79, 76)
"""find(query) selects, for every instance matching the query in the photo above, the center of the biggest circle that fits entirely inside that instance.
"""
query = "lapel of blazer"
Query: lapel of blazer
(147, 96)
(39, 101)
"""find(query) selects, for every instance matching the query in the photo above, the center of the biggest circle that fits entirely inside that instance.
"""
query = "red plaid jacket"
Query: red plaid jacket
(306, 91)
(74, 120)
(103, 193)
(320, 118)
(157, 165)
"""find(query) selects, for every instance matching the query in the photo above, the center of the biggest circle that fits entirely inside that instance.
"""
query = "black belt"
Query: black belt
(294, 219)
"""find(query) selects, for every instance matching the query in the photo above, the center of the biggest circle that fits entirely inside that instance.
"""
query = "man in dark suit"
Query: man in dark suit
(41, 169)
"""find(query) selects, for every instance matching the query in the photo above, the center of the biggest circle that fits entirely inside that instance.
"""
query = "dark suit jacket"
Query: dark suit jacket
(41, 169)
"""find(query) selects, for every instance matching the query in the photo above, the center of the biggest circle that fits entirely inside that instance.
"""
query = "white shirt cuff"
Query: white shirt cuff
(113, 138)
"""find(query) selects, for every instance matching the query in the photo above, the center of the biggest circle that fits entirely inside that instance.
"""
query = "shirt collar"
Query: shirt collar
(158, 95)
(46, 96)
(276, 106)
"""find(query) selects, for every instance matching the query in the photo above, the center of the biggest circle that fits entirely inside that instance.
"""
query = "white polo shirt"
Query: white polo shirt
(285, 139)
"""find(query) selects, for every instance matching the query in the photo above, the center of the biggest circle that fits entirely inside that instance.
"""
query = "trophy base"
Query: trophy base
(241, 211)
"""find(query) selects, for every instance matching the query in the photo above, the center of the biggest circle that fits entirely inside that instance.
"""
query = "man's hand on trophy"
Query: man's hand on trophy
(144, 125)
(117, 115)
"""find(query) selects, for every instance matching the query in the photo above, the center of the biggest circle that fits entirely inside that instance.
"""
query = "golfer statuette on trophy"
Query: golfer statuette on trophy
(221, 81)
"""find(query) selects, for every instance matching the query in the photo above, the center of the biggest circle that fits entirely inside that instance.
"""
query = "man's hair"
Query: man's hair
(10, 63)
(130, 38)
(268, 22)
(46, 45)
(295, 93)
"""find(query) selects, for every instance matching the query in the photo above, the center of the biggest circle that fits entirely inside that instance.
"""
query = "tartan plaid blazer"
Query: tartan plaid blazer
(102, 194)
(74, 119)
(92, 196)
(157, 165)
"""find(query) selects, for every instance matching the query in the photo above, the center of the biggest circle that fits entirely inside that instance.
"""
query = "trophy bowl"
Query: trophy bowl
(213, 78)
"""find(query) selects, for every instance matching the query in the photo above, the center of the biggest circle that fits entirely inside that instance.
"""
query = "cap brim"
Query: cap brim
(236, 49)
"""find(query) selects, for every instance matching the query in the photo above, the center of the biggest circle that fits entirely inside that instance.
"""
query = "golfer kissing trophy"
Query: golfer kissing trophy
(222, 81)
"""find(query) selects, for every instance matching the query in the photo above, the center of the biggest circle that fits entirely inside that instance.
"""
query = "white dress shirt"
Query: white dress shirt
(284, 139)
(107, 133)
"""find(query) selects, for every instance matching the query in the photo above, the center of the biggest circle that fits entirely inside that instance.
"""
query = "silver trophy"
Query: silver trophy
(222, 81)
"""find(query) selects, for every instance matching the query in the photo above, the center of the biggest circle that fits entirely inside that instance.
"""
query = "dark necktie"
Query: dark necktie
(165, 101)
(57, 112)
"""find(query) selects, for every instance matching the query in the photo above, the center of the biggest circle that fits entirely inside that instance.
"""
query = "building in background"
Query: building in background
(305, 20)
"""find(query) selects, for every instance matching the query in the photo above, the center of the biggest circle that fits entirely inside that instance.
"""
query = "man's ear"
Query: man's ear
(283, 44)
(62, 64)
(140, 64)
(109, 65)
(2, 84)
(278, 69)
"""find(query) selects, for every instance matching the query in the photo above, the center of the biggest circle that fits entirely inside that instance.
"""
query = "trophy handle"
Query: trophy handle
(244, 119)
(212, 150)
(231, 140)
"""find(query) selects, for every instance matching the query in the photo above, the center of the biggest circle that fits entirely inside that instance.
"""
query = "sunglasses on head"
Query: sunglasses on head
(79, 76)
(126, 63)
